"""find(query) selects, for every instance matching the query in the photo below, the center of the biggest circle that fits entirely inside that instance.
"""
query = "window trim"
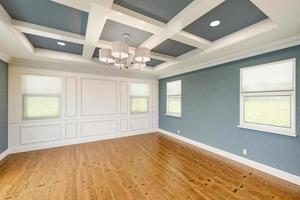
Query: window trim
(146, 97)
(24, 110)
(171, 114)
(288, 131)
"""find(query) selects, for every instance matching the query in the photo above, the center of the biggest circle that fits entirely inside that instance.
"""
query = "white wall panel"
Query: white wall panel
(123, 125)
(155, 97)
(71, 130)
(71, 96)
(139, 123)
(123, 97)
(98, 97)
(155, 122)
(98, 127)
(42, 133)
(93, 107)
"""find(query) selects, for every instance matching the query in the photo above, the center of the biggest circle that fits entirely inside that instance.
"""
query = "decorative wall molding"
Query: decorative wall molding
(76, 127)
(68, 96)
(261, 167)
(40, 133)
(103, 127)
(96, 138)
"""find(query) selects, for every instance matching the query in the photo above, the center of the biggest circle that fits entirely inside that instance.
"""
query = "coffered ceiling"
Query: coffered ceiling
(178, 32)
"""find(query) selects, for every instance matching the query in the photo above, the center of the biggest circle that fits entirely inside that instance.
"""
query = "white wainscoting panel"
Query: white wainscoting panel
(93, 107)
(98, 127)
(123, 97)
(140, 123)
(155, 97)
(98, 97)
(155, 122)
(123, 125)
(42, 133)
(71, 130)
(71, 96)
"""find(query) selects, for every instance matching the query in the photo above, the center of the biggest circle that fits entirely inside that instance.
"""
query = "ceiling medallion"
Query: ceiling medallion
(120, 57)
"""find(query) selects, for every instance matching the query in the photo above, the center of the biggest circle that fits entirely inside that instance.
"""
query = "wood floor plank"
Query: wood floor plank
(143, 167)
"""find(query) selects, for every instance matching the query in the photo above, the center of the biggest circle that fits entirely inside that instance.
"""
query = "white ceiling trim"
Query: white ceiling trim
(4, 57)
(72, 37)
(283, 23)
(285, 43)
(99, 10)
(189, 14)
(129, 17)
(77, 68)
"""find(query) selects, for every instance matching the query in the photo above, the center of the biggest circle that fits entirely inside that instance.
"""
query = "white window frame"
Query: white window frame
(139, 96)
(289, 131)
(172, 114)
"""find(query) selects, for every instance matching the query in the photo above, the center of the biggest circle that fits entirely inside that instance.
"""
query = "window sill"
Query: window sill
(173, 115)
(276, 130)
(138, 113)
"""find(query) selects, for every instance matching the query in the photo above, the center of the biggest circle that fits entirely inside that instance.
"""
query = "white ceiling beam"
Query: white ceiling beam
(99, 12)
(257, 29)
(47, 32)
(72, 37)
(139, 21)
(77, 4)
(142, 22)
(192, 12)
(246, 33)
(192, 40)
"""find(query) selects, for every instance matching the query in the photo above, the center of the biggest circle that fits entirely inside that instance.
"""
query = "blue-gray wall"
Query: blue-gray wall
(210, 113)
(3, 105)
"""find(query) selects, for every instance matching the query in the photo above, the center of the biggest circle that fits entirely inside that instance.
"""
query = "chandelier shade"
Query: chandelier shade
(120, 50)
(121, 63)
(105, 56)
(142, 55)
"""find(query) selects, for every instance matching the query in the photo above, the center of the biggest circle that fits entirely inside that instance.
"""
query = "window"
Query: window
(139, 98)
(174, 98)
(41, 97)
(267, 97)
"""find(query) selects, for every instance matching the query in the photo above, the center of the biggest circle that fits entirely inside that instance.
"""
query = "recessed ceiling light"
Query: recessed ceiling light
(215, 23)
(61, 43)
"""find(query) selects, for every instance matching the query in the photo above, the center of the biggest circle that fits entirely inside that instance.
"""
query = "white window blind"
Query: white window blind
(274, 77)
(41, 97)
(139, 98)
(268, 97)
(139, 89)
(174, 88)
(174, 98)
(34, 84)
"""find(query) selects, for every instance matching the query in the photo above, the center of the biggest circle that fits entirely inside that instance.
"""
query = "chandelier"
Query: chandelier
(119, 55)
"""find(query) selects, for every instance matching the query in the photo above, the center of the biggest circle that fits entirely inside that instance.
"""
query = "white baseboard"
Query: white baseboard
(261, 167)
(32, 147)
(4, 154)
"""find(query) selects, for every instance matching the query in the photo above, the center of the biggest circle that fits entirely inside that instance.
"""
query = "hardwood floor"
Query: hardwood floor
(151, 166)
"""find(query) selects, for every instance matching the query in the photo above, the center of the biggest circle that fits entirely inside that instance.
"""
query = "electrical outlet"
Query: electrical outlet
(178, 131)
(245, 152)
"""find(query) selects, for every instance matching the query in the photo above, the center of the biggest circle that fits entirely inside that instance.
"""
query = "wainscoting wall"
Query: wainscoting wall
(93, 108)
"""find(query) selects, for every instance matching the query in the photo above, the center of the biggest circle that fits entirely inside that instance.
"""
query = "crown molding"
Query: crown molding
(282, 44)
(86, 68)
(6, 58)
